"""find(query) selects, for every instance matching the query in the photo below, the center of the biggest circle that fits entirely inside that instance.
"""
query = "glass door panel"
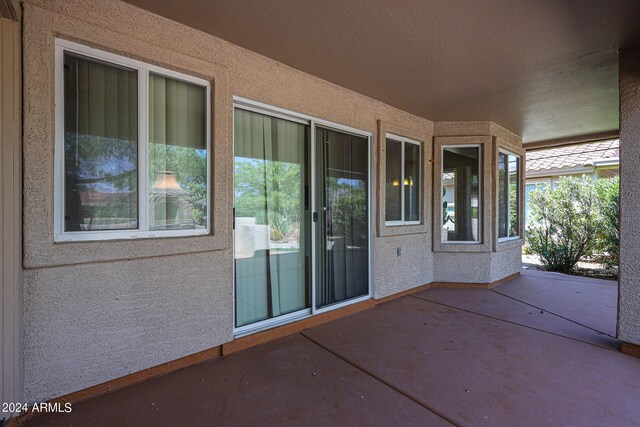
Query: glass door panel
(272, 237)
(343, 216)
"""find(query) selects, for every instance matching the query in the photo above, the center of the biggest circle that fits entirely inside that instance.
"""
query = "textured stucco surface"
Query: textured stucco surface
(476, 267)
(97, 311)
(89, 323)
(144, 304)
(425, 138)
(506, 262)
(459, 267)
(629, 296)
(393, 273)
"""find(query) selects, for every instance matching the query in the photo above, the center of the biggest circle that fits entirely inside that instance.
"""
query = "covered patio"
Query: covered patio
(536, 350)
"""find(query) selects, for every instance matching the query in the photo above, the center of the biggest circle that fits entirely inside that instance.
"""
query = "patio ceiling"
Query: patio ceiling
(545, 70)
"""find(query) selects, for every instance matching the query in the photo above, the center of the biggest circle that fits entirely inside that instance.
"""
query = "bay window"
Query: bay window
(508, 195)
(403, 177)
(132, 148)
(461, 190)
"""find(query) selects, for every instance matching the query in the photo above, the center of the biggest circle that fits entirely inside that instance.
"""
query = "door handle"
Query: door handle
(315, 217)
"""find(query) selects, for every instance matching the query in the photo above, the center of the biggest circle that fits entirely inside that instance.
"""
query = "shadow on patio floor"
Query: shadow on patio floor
(537, 350)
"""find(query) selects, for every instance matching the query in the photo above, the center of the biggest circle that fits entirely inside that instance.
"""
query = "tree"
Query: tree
(270, 192)
(190, 166)
(608, 242)
(565, 222)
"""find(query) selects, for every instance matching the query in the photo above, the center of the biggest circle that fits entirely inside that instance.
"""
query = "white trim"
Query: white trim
(313, 206)
(344, 303)
(263, 108)
(575, 170)
(611, 161)
(125, 61)
(143, 148)
(536, 181)
(481, 184)
(58, 178)
(519, 170)
(505, 151)
(507, 239)
(143, 69)
(270, 323)
(312, 122)
(371, 218)
(403, 141)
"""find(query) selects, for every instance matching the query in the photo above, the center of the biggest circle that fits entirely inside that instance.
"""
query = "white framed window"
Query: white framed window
(132, 148)
(461, 211)
(402, 181)
(508, 196)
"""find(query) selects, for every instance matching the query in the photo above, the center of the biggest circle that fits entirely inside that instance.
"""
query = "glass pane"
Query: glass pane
(514, 196)
(343, 243)
(177, 154)
(393, 191)
(503, 195)
(461, 194)
(411, 182)
(272, 217)
(100, 146)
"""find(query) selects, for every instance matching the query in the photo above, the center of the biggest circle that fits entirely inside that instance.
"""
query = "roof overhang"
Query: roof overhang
(544, 70)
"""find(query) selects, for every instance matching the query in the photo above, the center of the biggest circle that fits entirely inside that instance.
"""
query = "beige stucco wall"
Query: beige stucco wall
(97, 311)
(490, 260)
(629, 289)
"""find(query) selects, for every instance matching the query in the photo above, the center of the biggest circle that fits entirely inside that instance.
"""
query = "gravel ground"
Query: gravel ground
(584, 268)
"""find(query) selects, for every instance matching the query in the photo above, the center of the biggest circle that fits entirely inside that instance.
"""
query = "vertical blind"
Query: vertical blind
(177, 154)
(177, 112)
(272, 233)
(101, 145)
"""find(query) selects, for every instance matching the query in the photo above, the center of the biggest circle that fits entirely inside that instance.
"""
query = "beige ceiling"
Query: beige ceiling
(543, 69)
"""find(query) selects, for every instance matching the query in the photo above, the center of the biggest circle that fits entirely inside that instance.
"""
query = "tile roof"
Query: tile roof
(572, 156)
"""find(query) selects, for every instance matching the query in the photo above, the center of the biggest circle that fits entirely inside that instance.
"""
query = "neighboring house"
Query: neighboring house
(596, 159)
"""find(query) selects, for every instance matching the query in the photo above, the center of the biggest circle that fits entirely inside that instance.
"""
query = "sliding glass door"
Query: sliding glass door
(272, 217)
(289, 190)
(343, 212)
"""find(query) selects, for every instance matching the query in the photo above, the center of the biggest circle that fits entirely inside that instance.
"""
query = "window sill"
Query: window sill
(440, 246)
(508, 239)
(509, 244)
(400, 223)
(96, 236)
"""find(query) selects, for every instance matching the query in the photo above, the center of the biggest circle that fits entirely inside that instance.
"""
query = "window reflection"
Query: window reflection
(461, 194)
(177, 154)
(508, 195)
(101, 146)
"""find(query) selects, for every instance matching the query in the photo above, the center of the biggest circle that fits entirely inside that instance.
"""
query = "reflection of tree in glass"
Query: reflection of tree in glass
(270, 192)
(475, 196)
(190, 167)
(100, 179)
(513, 209)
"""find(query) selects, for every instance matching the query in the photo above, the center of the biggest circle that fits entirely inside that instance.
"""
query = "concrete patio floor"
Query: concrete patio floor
(537, 350)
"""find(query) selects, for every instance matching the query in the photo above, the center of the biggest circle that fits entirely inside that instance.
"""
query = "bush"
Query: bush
(608, 241)
(565, 222)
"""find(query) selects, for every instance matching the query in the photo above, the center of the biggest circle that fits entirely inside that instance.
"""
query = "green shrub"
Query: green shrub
(565, 222)
(608, 241)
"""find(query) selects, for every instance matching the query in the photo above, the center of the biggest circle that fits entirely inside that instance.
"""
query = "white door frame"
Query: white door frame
(312, 122)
